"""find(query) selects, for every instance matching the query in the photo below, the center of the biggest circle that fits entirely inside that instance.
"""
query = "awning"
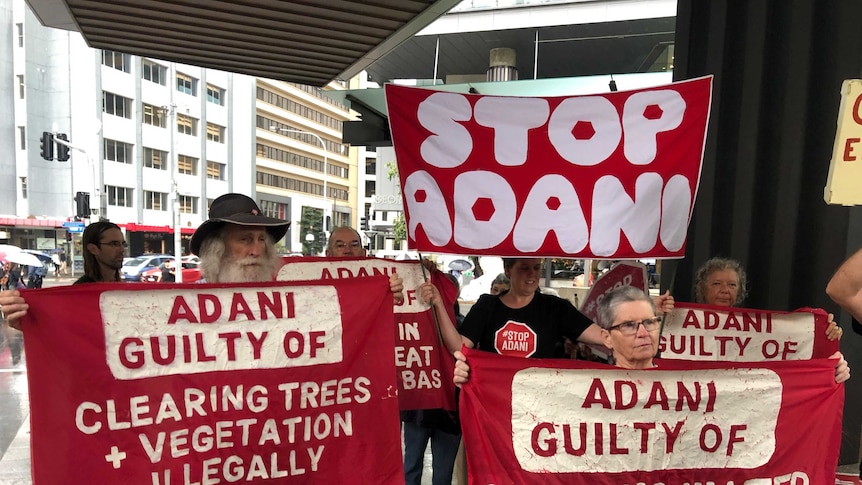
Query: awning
(21, 221)
(303, 41)
(133, 227)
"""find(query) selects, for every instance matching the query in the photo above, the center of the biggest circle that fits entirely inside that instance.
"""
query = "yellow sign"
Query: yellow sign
(844, 184)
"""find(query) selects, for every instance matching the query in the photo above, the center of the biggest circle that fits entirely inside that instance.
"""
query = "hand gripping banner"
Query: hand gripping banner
(610, 175)
(205, 384)
(424, 366)
(545, 421)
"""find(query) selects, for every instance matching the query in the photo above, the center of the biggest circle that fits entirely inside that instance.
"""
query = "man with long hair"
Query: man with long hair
(104, 248)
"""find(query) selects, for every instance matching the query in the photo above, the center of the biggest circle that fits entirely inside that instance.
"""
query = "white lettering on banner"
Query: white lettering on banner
(411, 274)
(644, 224)
(658, 420)
(234, 468)
(220, 330)
(451, 143)
(737, 336)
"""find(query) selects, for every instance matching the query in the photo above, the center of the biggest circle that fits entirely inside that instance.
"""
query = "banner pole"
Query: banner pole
(433, 310)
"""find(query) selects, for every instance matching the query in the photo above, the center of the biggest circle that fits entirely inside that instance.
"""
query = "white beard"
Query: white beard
(246, 270)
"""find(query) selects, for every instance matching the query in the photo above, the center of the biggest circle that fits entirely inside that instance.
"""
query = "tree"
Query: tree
(399, 225)
(311, 222)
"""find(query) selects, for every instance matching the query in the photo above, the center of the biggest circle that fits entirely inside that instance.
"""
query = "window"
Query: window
(157, 159)
(119, 196)
(116, 105)
(272, 180)
(153, 72)
(215, 95)
(188, 204)
(20, 34)
(274, 209)
(117, 60)
(215, 133)
(117, 151)
(370, 166)
(187, 165)
(154, 115)
(370, 188)
(20, 86)
(22, 135)
(157, 201)
(24, 187)
(187, 84)
(187, 125)
(215, 170)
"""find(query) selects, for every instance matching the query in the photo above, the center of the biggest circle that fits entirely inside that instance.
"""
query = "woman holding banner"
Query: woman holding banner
(722, 282)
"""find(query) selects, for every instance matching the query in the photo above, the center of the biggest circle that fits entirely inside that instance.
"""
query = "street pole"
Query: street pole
(175, 193)
(323, 146)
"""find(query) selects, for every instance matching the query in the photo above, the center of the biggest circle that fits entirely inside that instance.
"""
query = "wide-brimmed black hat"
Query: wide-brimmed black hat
(236, 209)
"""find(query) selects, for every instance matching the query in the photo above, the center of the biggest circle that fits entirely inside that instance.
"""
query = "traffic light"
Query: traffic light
(363, 223)
(82, 204)
(62, 150)
(46, 145)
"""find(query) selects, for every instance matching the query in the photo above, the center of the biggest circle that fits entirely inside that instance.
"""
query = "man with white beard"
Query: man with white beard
(237, 244)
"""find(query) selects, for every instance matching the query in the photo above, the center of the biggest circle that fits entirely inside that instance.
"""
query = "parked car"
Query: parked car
(191, 273)
(132, 269)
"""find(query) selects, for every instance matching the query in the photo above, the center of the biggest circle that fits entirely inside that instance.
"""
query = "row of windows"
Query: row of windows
(288, 183)
(287, 156)
(122, 197)
(121, 152)
(318, 93)
(157, 73)
(294, 107)
(277, 210)
(304, 136)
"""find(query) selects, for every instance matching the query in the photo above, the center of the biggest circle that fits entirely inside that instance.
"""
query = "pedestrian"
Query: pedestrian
(63, 267)
(55, 261)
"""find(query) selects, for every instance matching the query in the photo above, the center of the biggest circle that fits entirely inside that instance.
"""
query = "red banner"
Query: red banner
(610, 175)
(576, 422)
(424, 365)
(624, 273)
(703, 332)
(206, 384)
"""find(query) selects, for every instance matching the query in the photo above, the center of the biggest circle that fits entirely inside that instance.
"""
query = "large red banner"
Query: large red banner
(702, 332)
(609, 175)
(576, 422)
(424, 365)
(207, 384)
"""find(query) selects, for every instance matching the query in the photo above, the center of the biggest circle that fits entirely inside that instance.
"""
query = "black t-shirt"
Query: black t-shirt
(84, 279)
(545, 321)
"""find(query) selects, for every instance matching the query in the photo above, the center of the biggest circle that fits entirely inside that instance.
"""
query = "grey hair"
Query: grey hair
(501, 279)
(606, 312)
(213, 251)
(330, 241)
(719, 264)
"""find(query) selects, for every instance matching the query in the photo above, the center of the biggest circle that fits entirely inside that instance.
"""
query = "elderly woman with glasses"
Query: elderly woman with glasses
(630, 329)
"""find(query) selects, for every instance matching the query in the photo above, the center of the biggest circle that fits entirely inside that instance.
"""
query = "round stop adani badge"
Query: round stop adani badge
(515, 339)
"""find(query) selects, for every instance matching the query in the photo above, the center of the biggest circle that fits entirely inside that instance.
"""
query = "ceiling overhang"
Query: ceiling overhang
(305, 41)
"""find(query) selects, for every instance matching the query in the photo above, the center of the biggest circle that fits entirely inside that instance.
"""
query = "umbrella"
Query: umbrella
(460, 264)
(22, 258)
(44, 257)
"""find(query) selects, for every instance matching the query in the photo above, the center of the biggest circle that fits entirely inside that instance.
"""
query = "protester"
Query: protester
(104, 248)
(630, 329)
(344, 242)
(722, 282)
(500, 284)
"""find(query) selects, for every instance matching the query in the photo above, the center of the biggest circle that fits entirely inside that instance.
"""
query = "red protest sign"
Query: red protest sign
(515, 339)
(624, 273)
(703, 332)
(609, 175)
(424, 366)
(212, 383)
(575, 422)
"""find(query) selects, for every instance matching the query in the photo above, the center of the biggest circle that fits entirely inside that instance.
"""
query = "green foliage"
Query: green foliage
(311, 222)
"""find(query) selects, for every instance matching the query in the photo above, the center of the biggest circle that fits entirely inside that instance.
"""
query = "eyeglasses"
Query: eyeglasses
(351, 245)
(114, 244)
(631, 328)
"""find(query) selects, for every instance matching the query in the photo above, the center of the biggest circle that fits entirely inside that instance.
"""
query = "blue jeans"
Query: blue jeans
(444, 447)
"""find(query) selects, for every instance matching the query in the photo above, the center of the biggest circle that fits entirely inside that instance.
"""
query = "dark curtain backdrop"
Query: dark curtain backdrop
(778, 68)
